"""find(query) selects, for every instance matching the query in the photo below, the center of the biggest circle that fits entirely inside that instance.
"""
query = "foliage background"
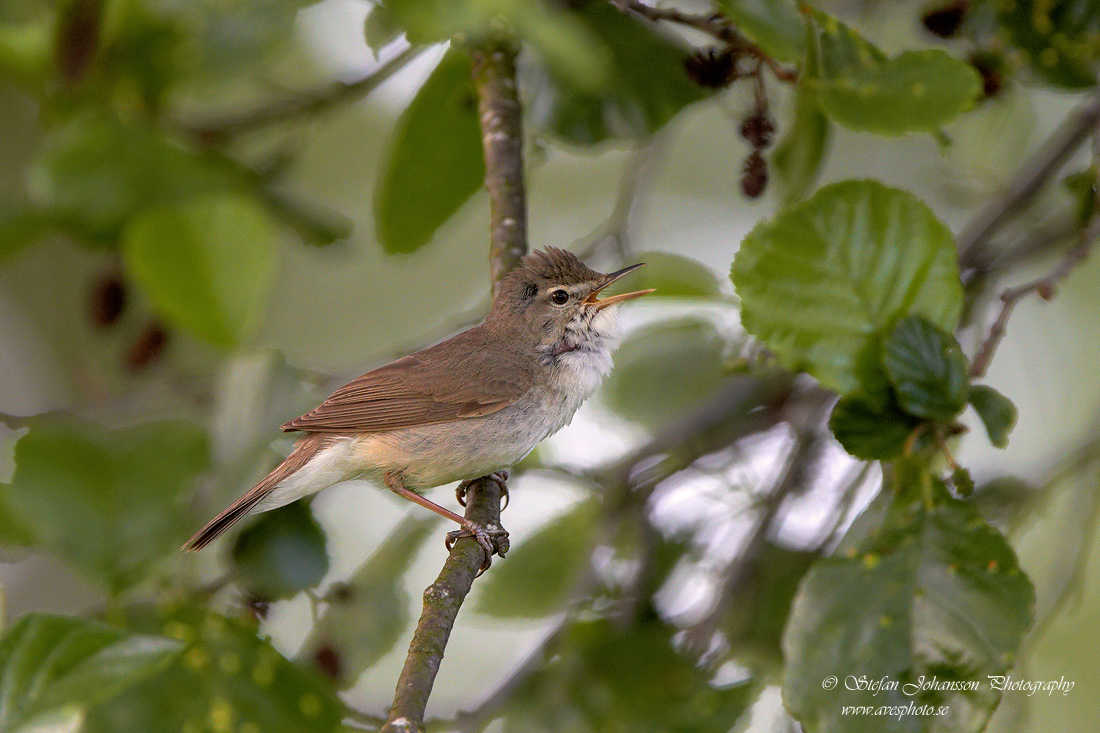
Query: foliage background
(326, 313)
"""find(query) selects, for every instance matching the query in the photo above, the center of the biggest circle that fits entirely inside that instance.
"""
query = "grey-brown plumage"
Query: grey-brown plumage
(467, 407)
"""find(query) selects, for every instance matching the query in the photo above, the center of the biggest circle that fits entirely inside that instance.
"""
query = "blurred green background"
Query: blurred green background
(172, 289)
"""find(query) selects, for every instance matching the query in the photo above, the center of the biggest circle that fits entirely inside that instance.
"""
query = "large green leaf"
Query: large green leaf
(822, 279)
(862, 89)
(667, 368)
(208, 264)
(108, 502)
(365, 615)
(927, 368)
(1058, 37)
(55, 663)
(227, 679)
(777, 26)
(281, 553)
(93, 173)
(934, 599)
(540, 572)
(435, 162)
(609, 679)
(647, 84)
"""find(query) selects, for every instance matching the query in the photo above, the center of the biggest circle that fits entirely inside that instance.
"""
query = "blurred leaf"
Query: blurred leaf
(646, 87)
(25, 51)
(540, 572)
(997, 412)
(435, 162)
(281, 553)
(777, 26)
(564, 43)
(672, 276)
(19, 228)
(227, 679)
(108, 502)
(665, 369)
(48, 663)
(207, 264)
(870, 431)
(95, 172)
(606, 679)
(928, 369)
(366, 615)
(936, 595)
(1083, 186)
(1058, 36)
(798, 157)
(862, 89)
(755, 623)
(380, 28)
(821, 279)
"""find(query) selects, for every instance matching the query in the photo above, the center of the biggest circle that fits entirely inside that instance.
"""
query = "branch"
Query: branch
(498, 102)
(1044, 286)
(1029, 179)
(301, 105)
(713, 24)
(502, 140)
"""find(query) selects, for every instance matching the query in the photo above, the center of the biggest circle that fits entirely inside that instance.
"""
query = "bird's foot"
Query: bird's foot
(492, 538)
(499, 477)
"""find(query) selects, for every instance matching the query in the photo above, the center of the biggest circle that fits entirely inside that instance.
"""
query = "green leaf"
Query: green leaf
(936, 595)
(927, 368)
(207, 264)
(108, 502)
(629, 680)
(227, 679)
(49, 663)
(435, 162)
(870, 431)
(1058, 38)
(823, 278)
(674, 276)
(281, 553)
(646, 86)
(667, 368)
(997, 412)
(862, 89)
(540, 573)
(777, 26)
(95, 172)
(798, 157)
(365, 616)
(380, 28)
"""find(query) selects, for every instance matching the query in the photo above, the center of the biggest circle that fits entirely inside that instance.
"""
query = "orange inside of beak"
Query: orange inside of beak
(611, 300)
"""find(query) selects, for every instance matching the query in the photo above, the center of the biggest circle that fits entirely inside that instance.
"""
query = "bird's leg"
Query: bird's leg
(493, 540)
(498, 477)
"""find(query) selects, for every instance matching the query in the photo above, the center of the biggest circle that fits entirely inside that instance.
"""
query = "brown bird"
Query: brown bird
(468, 407)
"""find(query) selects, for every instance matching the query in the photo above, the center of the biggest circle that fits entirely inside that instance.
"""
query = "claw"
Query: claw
(498, 477)
(493, 541)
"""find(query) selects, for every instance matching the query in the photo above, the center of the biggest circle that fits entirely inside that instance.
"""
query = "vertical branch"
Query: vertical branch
(501, 127)
(502, 140)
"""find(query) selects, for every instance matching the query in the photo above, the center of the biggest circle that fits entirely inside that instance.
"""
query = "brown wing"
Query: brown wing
(459, 378)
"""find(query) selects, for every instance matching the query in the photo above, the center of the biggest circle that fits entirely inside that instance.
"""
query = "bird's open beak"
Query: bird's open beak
(611, 300)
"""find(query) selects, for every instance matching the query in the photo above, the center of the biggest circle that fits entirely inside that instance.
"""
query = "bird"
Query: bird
(468, 407)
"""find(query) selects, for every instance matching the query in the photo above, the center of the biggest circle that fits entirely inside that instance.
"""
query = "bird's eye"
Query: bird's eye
(559, 297)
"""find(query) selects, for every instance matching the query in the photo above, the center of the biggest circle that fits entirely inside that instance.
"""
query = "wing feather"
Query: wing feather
(458, 379)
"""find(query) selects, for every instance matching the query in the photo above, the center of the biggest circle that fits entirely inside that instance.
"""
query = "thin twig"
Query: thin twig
(713, 24)
(1028, 180)
(1044, 286)
(498, 101)
(301, 105)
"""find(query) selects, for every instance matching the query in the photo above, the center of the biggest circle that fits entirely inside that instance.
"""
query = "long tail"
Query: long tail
(305, 449)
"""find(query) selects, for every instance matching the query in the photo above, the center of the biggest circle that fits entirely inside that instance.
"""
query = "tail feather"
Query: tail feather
(305, 449)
